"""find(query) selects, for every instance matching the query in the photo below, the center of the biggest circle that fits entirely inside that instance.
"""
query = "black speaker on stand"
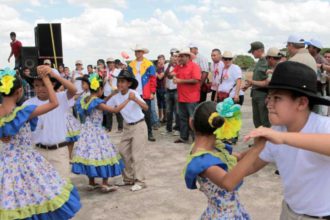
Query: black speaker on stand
(48, 40)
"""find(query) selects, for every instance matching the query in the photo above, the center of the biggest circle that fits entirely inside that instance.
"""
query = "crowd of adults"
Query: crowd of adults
(187, 78)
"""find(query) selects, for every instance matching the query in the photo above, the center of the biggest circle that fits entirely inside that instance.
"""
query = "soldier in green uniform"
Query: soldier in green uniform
(260, 112)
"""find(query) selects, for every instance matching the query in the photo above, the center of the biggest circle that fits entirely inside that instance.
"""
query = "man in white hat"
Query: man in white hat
(145, 73)
(187, 76)
(78, 72)
(298, 52)
(314, 47)
(203, 64)
(47, 62)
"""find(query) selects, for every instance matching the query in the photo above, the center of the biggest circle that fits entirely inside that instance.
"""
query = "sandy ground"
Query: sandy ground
(166, 196)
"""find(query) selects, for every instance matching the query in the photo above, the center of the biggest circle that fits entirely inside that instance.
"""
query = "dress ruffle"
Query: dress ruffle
(11, 124)
(84, 109)
(63, 206)
(103, 171)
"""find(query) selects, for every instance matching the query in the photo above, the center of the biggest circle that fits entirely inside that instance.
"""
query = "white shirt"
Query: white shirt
(108, 87)
(202, 62)
(216, 69)
(51, 128)
(169, 82)
(78, 83)
(132, 112)
(229, 78)
(138, 77)
(305, 175)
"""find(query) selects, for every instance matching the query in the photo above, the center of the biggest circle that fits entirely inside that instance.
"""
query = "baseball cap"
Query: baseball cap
(47, 61)
(314, 43)
(273, 52)
(110, 59)
(295, 39)
(256, 45)
(79, 62)
(174, 50)
(193, 45)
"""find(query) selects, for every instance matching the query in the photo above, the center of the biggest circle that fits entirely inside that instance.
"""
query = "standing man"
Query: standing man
(260, 112)
(216, 69)
(204, 66)
(145, 73)
(15, 50)
(298, 52)
(187, 76)
(111, 85)
(172, 95)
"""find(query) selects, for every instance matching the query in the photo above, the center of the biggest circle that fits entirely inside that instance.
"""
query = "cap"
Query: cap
(110, 59)
(193, 45)
(273, 52)
(47, 61)
(295, 39)
(256, 46)
(227, 54)
(174, 50)
(79, 62)
(315, 43)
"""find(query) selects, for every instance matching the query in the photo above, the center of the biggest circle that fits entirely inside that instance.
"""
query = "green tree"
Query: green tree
(244, 61)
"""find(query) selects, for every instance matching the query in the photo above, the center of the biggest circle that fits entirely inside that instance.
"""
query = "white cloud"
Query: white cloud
(101, 32)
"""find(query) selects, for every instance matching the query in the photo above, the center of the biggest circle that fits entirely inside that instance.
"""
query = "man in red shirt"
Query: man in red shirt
(15, 50)
(187, 76)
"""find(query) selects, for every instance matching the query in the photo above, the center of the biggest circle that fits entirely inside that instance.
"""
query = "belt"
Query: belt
(52, 147)
(172, 90)
(134, 123)
(318, 217)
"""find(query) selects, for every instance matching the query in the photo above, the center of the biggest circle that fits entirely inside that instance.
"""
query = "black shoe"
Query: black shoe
(151, 138)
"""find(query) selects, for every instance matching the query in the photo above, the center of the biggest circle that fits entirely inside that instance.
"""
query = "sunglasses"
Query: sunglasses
(326, 56)
(226, 59)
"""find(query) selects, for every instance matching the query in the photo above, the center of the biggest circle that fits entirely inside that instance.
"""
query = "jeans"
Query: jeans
(161, 101)
(203, 96)
(172, 109)
(147, 117)
(154, 117)
(186, 111)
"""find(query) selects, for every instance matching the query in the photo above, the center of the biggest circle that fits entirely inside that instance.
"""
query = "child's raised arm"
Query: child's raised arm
(318, 143)
(43, 72)
(116, 109)
(249, 164)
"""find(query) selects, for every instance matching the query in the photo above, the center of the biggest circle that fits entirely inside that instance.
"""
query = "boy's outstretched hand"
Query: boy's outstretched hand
(267, 133)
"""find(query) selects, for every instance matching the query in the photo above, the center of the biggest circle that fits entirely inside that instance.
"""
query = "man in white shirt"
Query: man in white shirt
(216, 69)
(111, 85)
(78, 72)
(49, 136)
(203, 64)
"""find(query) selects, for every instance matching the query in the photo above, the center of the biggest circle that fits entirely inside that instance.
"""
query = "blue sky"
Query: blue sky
(93, 29)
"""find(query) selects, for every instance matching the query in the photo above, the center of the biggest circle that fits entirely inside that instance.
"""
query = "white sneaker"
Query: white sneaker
(176, 133)
(138, 186)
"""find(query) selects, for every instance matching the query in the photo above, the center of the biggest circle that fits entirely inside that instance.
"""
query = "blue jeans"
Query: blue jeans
(154, 117)
(172, 109)
(186, 111)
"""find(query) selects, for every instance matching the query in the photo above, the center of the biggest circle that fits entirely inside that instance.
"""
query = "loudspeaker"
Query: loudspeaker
(44, 42)
(29, 56)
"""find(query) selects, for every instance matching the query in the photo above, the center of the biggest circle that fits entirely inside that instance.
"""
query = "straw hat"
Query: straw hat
(186, 51)
(273, 52)
(227, 54)
(138, 47)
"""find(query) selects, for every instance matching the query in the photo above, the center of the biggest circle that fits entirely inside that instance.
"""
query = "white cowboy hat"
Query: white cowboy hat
(186, 51)
(227, 54)
(140, 48)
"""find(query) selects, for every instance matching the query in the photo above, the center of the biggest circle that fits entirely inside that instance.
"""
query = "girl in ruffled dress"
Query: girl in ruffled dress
(94, 155)
(30, 188)
(212, 164)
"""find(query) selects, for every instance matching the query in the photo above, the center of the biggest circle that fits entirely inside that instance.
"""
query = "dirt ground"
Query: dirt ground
(167, 198)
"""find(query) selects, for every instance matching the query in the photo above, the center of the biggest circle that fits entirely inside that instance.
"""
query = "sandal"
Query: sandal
(138, 186)
(107, 188)
(125, 183)
(93, 187)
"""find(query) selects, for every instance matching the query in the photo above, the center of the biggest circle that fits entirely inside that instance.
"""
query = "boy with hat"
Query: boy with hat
(133, 142)
(50, 134)
(260, 114)
(298, 142)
